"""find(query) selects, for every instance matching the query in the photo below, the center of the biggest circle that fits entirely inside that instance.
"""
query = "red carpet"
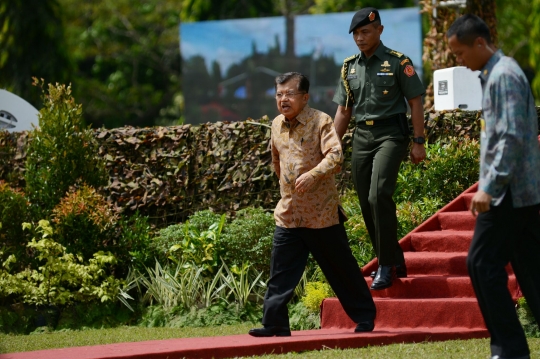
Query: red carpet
(436, 302)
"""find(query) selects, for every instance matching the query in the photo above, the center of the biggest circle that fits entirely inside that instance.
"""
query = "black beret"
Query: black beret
(363, 17)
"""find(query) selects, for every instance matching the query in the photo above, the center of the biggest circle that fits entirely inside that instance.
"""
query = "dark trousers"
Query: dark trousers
(330, 248)
(377, 155)
(503, 235)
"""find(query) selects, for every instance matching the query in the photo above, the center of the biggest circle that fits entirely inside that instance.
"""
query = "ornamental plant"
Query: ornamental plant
(62, 151)
(61, 278)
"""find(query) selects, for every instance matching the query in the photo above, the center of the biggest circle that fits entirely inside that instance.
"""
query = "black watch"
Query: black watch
(420, 140)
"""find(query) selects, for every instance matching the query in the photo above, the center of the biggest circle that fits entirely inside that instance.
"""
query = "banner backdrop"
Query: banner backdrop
(228, 66)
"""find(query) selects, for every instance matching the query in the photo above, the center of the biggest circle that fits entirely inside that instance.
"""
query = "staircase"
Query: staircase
(437, 294)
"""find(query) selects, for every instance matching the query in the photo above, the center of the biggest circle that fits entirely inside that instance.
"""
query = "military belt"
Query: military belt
(385, 121)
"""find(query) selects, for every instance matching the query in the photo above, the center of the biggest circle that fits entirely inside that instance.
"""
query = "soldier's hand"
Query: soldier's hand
(304, 182)
(418, 153)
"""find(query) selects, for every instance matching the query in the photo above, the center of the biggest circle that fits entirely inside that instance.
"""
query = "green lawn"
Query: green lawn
(469, 349)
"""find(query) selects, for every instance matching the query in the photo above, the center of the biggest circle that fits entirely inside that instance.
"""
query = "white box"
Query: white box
(457, 87)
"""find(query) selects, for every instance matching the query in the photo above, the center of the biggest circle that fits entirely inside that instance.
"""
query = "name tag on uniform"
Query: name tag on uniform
(385, 74)
(350, 77)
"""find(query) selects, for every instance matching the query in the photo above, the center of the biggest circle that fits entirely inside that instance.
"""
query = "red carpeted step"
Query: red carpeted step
(436, 263)
(441, 241)
(467, 197)
(458, 221)
(435, 287)
(410, 313)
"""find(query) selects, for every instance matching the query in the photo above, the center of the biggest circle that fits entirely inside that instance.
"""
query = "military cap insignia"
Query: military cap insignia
(404, 62)
(395, 53)
(371, 16)
(409, 70)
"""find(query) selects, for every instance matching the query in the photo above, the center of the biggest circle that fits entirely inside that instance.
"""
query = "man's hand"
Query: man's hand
(480, 202)
(304, 182)
(418, 153)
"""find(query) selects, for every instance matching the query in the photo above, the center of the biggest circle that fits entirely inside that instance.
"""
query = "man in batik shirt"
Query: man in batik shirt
(508, 199)
(306, 153)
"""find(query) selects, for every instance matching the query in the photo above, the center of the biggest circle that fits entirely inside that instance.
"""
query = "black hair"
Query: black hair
(468, 28)
(303, 81)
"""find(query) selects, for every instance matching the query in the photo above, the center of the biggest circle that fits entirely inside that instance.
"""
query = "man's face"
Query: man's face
(470, 56)
(290, 101)
(367, 37)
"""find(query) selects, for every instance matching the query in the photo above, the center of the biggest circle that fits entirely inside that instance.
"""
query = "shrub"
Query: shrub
(316, 292)
(13, 213)
(175, 233)
(526, 317)
(449, 169)
(133, 246)
(62, 151)
(84, 221)
(61, 277)
(302, 318)
(412, 214)
(248, 238)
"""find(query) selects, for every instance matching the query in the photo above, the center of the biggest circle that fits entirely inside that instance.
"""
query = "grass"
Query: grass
(470, 349)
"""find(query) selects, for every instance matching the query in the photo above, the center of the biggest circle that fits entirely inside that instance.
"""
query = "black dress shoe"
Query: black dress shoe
(270, 331)
(522, 357)
(364, 327)
(401, 271)
(384, 278)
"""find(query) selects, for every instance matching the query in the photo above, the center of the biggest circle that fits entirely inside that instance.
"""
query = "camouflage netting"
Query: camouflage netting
(169, 173)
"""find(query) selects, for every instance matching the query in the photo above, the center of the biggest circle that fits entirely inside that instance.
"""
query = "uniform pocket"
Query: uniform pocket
(385, 81)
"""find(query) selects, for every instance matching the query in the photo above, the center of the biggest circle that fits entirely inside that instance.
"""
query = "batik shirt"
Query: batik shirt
(509, 154)
(308, 144)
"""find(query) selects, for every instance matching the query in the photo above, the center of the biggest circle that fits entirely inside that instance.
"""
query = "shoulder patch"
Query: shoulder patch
(395, 53)
(351, 58)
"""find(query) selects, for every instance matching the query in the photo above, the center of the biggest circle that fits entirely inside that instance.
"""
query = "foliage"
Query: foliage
(84, 221)
(62, 151)
(174, 234)
(526, 317)
(13, 213)
(13, 147)
(412, 214)
(534, 45)
(248, 238)
(316, 292)
(449, 169)
(62, 278)
(199, 248)
(301, 318)
(127, 59)
(31, 30)
(242, 285)
(133, 242)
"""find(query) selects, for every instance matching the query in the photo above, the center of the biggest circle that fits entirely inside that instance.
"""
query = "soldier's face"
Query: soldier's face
(367, 37)
(290, 101)
(470, 56)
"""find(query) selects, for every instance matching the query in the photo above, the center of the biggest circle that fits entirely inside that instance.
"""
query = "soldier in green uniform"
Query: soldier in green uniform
(373, 91)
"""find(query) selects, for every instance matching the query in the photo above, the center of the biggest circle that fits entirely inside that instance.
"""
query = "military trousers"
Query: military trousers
(503, 235)
(330, 248)
(377, 155)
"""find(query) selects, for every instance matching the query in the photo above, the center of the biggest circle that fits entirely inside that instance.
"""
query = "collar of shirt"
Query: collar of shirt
(486, 70)
(381, 50)
(301, 118)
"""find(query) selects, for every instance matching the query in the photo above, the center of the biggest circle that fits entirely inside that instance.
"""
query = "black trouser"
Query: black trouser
(330, 248)
(506, 234)
(377, 155)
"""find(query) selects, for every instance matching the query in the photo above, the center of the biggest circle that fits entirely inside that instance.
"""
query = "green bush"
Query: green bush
(84, 222)
(449, 169)
(133, 246)
(61, 278)
(531, 327)
(248, 238)
(175, 233)
(316, 292)
(301, 318)
(62, 152)
(13, 213)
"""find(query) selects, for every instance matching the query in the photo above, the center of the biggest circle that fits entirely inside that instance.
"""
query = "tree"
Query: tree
(535, 45)
(127, 56)
(33, 44)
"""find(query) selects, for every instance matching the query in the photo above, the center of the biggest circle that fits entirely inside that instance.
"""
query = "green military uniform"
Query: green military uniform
(376, 89)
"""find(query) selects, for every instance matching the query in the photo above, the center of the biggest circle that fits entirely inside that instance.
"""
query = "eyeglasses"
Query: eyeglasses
(288, 94)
